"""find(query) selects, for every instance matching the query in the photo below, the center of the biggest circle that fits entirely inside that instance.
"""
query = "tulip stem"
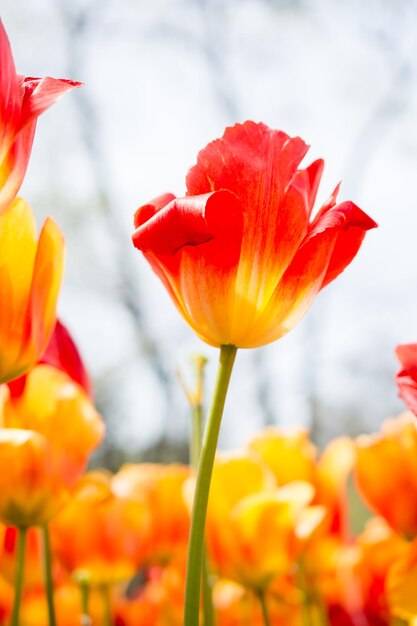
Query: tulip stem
(264, 607)
(47, 572)
(206, 587)
(107, 613)
(85, 593)
(202, 488)
(18, 585)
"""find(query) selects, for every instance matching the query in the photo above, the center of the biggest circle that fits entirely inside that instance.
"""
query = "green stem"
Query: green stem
(196, 436)
(19, 576)
(195, 450)
(107, 613)
(265, 614)
(47, 572)
(205, 468)
(85, 593)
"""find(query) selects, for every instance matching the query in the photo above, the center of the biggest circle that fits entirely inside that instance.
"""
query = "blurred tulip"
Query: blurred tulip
(291, 456)
(160, 489)
(160, 600)
(386, 473)
(112, 530)
(47, 436)
(238, 606)
(22, 100)
(238, 254)
(244, 505)
(402, 584)
(288, 452)
(407, 376)
(30, 279)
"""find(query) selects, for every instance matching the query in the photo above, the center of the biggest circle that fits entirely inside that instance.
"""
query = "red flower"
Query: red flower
(238, 254)
(22, 100)
(407, 376)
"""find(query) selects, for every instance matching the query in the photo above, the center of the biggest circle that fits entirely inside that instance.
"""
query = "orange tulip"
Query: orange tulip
(237, 606)
(30, 279)
(292, 456)
(402, 584)
(159, 488)
(238, 254)
(111, 532)
(22, 100)
(289, 453)
(386, 473)
(47, 436)
(244, 506)
(158, 602)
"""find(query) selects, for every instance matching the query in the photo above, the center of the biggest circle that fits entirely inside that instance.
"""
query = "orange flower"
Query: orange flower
(158, 602)
(238, 254)
(292, 456)
(244, 506)
(159, 488)
(402, 583)
(111, 532)
(22, 100)
(237, 606)
(30, 279)
(386, 473)
(49, 432)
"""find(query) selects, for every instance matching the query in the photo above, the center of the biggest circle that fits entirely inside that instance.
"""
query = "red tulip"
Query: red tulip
(22, 100)
(239, 254)
(407, 376)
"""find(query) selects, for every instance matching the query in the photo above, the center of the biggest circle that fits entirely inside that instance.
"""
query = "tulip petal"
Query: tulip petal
(9, 100)
(257, 164)
(330, 245)
(17, 258)
(38, 94)
(62, 353)
(47, 277)
(406, 378)
(198, 238)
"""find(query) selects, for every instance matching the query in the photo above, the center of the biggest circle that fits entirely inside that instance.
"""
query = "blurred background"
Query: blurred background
(162, 79)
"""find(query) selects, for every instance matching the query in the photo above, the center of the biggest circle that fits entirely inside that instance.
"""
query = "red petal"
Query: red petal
(406, 378)
(63, 354)
(193, 244)
(351, 224)
(407, 355)
(307, 182)
(183, 222)
(9, 93)
(38, 94)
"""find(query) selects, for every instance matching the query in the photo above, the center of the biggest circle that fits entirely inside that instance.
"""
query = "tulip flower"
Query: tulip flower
(386, 473)
(239, 255)
(407, 376)
(30, 279)
(112, 530)
(22, 100)
(47, 436)
(401, 584)
(159, 488)
(242, 261)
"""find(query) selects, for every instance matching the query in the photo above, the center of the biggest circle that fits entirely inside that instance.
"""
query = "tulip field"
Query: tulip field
(261, 535)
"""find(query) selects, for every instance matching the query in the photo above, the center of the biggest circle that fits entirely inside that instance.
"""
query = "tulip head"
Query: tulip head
(48, 433)
(239, 255)
(30, 279)
(22, 100)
